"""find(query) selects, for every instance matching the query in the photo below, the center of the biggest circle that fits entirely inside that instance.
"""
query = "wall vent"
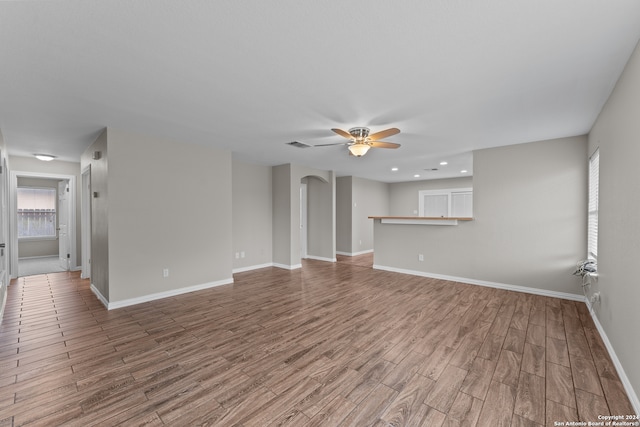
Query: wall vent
(298, 144)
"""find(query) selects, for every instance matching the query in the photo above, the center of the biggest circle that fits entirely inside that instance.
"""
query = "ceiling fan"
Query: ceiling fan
(359, 140)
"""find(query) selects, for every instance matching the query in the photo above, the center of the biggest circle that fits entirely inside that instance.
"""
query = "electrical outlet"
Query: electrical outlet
(237, 255)
(420, 257)
(165, 272)
(242, 254)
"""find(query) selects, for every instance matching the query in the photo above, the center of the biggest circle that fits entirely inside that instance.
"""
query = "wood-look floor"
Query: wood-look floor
(330, 344)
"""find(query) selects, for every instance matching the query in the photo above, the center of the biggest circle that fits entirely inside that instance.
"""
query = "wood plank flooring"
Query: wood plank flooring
(331, 344)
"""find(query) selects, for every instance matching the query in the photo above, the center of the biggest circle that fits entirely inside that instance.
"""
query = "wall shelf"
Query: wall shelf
(420, 220)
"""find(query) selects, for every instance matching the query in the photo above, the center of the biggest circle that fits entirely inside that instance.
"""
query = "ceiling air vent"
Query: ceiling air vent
(298, 144)
(431, 169)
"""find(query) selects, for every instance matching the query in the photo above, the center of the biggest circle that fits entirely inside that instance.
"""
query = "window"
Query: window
(592, 229)
(457, 202)
(36, 212)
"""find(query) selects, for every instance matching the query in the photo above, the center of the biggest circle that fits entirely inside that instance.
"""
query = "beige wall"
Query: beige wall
(529, 205)
(55, 167)
(403, 196)
(252, 214)
(281, 215)
(356, 200)
(617, 133)
(528, 228)
(4, 230)
(286, 181)
(170, 206)
(99, 212)
(38, 248)
(369, 198)
(320, 218)
(344, 223)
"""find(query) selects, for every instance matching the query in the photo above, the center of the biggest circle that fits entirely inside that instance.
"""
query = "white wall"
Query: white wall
(617, 133)
(252, 215)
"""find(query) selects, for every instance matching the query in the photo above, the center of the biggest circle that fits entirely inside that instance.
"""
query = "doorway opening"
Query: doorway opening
(303, 221)
(42, 223)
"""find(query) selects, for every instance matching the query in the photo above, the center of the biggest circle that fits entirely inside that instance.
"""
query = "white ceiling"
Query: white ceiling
(251, 75)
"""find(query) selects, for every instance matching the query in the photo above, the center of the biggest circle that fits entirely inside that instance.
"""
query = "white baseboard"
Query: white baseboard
(100, 297)
(319, 258)
(516, 288)
(354, 253)
(171, 293)
(631, 393)
(287, 267)
(252, 267)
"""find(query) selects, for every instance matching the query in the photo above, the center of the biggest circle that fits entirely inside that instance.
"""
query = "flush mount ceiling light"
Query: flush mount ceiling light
(45, 157)
(443, 163)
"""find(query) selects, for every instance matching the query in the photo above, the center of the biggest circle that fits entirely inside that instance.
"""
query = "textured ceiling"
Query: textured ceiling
(249, 76)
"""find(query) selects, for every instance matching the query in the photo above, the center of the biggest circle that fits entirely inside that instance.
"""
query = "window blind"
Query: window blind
(594, 181)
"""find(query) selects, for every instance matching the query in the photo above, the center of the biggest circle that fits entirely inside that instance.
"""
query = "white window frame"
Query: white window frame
(593, 205)
(449, 192)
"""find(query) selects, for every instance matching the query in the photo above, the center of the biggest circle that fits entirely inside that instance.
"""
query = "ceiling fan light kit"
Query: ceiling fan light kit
(359, 149)
(360, 141)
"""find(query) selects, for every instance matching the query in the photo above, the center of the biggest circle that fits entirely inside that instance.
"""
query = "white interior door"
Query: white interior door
(63, 224)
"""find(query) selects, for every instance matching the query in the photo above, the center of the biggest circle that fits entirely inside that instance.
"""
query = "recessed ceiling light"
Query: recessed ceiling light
(45, 157)
(416, 176)
(444, 163)
(463, 171)
(394, 169)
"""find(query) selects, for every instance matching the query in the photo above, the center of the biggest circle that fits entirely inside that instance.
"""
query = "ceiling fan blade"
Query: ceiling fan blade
(383, 134)
(343, 133)
(382, 144)
(328, 145)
